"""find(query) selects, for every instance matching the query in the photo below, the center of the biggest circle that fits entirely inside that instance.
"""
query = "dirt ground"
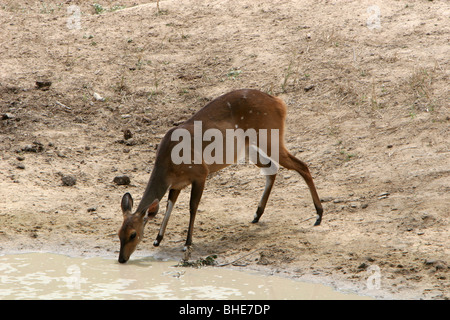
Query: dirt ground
(366, 84)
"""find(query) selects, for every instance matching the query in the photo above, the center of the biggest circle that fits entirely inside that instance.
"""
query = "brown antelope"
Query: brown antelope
(238, 110)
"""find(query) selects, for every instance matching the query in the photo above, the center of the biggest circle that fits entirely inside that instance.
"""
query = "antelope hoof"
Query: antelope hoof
(158, 240)
(187, 253)
(318, 221)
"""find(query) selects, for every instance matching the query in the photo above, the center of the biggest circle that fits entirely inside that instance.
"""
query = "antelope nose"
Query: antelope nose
(122, 259)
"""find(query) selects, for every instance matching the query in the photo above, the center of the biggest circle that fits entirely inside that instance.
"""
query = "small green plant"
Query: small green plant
(46, 9)
(234, 74)
(117, 7)
(120, 87)
(183, 91)
(347, 155)
(287, 75)
(208, 261)
(98, 8)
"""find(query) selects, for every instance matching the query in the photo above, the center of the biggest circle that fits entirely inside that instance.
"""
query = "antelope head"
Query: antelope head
(132, 230)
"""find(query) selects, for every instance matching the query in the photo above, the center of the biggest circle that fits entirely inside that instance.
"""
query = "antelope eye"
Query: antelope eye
(133, 235)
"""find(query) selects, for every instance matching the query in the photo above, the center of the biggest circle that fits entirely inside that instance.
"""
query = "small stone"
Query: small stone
(68, 180)
(43, 85)
(364, 205)
(363, 266)
(326, 199)
(98, 97)
(28, 148)
(383, 195)
(7, 116)
(35, 147)
(93, 209)
(20, 166)
(122, 180)
(127, 134)
(430, 261)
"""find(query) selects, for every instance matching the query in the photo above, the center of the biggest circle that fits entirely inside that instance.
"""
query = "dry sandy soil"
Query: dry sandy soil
(366, 84)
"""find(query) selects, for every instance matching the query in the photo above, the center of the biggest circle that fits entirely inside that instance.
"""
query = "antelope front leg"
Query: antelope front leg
(196, 195)
(173, 195)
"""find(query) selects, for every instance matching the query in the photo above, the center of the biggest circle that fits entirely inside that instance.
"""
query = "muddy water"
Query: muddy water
(51, 276)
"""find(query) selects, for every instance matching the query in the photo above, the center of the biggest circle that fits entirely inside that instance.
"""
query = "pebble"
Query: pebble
(383, 195)
(35, 147)
(43, 85)
(437, 264)
(430, 261)
(127, 134)
(363, 266)
(122, 180)
(68, 180)
(7, 116)
(98, 97)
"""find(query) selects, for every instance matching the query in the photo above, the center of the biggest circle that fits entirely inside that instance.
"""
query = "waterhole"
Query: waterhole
(53, 276)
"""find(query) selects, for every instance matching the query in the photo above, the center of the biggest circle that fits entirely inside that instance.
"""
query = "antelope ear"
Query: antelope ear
(127, 203)
(152, 209)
